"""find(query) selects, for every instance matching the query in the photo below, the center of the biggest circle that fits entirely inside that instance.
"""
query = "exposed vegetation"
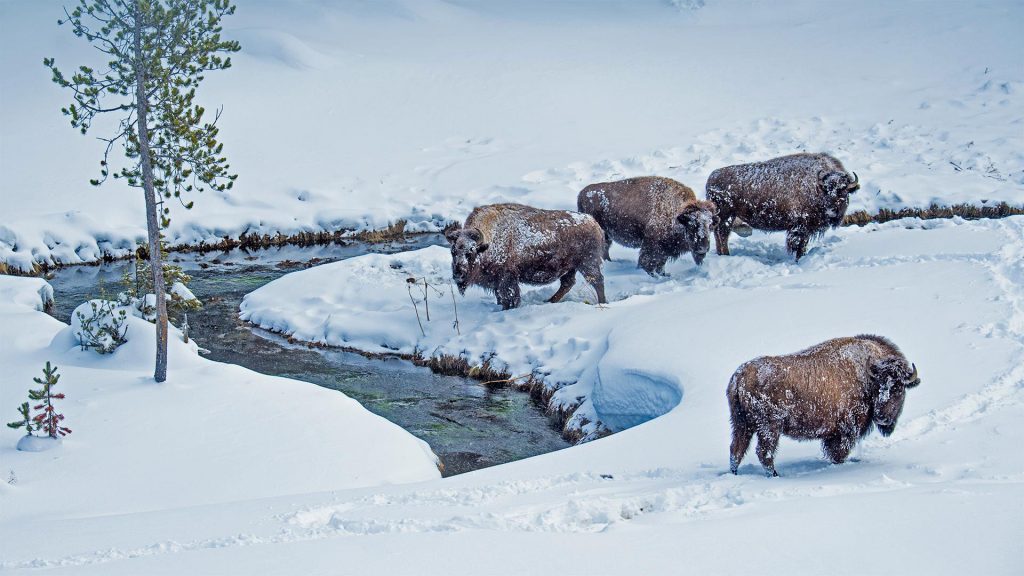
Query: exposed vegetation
(965, 211)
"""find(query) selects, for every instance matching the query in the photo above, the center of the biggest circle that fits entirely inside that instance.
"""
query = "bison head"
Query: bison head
(836, 187)
(467, 244)
(892, 377)
(694, 223)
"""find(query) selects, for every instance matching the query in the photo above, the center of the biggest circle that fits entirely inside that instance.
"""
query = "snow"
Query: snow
(211, 433)
(356, 114)
(38, 443)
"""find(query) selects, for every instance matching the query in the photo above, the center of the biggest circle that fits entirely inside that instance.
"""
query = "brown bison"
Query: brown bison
(661, 217)
(501, 245)
(831, 392)
(802, 194)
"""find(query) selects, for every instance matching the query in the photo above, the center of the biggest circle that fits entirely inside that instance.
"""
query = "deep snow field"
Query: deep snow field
(358, 113)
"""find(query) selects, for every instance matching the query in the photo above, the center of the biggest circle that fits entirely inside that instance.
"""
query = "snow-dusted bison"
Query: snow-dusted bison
(501, 245)
(802, 194)
(661, 217)
(831, 392)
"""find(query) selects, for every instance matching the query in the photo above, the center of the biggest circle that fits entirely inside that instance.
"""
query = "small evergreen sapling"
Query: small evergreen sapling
(48, 419)
(25, 422)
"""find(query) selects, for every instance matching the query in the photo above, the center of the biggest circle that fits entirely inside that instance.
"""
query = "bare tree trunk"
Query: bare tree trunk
(152, 224)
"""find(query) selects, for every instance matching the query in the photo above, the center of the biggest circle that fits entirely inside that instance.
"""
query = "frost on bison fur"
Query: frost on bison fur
(803, 194)
(501, 245)
(661, 217)
(831, 392)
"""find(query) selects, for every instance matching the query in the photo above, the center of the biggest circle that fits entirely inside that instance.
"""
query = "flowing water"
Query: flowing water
(469, 426)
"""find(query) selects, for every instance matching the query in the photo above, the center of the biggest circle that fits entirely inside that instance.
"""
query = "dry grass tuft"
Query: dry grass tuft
(395, 231)
(965, 211)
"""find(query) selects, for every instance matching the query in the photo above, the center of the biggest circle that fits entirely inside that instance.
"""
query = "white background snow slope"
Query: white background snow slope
(358, 113)
(355, 114)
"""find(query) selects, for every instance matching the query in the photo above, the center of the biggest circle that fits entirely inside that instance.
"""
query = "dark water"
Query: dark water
(467, 425)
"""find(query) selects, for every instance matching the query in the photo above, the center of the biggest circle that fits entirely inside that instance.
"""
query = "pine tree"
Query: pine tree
(48, 419)
(25, 422)
(159, 51)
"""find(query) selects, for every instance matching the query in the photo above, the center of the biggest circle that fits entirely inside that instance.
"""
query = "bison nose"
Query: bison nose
(698, 257)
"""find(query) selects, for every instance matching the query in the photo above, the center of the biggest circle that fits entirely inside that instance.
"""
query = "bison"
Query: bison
(802, 194)
(501, 245)
(831, 392)
(661, 217)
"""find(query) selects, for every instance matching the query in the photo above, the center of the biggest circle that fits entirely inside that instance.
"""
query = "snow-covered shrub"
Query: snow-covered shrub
(100, 325)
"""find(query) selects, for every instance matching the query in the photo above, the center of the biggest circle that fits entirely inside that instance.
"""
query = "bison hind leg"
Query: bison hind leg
(568, 281)
(593, 275)
(741, 436)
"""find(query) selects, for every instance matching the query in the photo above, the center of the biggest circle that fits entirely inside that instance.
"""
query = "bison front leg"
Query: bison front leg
(767, 443)
(838, 447)
(652, 260)
(568, 281)
(796, 242)
(507, 293)
(607, 247)
(722, 232)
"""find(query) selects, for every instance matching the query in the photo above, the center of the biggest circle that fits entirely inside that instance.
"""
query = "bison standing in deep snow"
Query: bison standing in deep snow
(501, 245)
(661, 217)
(802, 194)
(831, 392)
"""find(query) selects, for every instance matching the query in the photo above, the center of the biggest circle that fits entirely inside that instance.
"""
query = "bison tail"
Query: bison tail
(737, 414)
(742, 428)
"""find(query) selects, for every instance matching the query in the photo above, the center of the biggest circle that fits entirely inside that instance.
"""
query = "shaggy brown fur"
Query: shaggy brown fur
(502, 245)
(802, 194)
(661, 217)
(831, 392)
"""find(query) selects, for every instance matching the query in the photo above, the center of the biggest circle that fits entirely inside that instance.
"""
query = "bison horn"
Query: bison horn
(914, 379)
(855, 185)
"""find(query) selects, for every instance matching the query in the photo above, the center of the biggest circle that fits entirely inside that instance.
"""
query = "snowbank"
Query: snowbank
(211, 433)
(630, 361)
(652, 497)
(421, 110)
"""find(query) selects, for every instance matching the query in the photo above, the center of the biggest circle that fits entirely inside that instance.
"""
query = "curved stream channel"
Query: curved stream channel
(468, 426)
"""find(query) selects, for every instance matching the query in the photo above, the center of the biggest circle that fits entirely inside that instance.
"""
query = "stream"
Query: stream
(469, 426)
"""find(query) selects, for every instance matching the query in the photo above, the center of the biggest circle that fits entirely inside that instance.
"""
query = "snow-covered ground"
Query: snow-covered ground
(356, 114)
(943, 495)
(632, 360)
(212, 433)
